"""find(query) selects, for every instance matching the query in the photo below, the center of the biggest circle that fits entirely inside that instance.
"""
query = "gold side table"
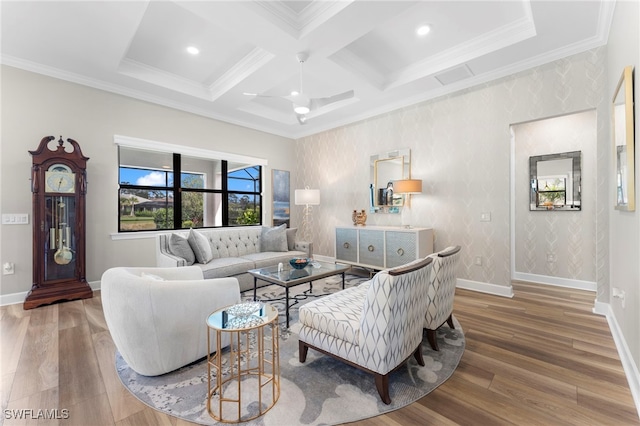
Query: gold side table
(249, 369)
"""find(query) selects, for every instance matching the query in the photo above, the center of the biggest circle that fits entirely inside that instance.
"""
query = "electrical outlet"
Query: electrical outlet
(551, 257)
(8, 268)
(485, 217)
(478, 260)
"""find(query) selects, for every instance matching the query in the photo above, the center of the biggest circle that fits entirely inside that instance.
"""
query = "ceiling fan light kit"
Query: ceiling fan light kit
(301, 109)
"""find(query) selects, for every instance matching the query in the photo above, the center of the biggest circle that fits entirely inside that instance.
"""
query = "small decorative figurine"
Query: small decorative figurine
(359, 218)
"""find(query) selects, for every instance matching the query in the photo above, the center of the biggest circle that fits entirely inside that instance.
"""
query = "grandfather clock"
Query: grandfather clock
(59, 186)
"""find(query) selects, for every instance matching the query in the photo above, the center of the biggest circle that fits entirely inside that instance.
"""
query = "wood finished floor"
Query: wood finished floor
(541, 358)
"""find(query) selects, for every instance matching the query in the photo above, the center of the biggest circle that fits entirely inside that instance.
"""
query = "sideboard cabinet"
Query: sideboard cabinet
(380, 247)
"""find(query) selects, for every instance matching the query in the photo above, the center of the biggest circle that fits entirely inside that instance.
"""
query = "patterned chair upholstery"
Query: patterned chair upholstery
(442, 288)
(375, 326)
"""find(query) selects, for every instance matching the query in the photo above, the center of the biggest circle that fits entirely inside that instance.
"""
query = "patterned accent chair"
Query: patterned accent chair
(375, 326)
(442, 289)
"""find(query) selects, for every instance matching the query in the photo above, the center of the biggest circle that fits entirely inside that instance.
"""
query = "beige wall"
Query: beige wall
(34, 106)
(460, 148)
(623, 50)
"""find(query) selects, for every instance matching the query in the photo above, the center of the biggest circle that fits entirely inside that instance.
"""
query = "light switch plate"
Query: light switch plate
(15, 218)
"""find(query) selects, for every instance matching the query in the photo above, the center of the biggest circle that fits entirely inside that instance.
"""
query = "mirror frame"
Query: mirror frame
(405, 173)
(576, 170)
(623, 142)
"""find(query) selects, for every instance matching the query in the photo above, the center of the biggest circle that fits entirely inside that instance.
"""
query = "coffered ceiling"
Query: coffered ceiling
(139, 49)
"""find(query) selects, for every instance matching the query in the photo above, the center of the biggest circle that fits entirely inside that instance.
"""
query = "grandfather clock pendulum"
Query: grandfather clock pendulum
(59, 187)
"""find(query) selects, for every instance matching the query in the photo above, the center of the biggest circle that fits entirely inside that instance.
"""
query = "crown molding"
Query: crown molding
(507, 35)
(251, 63)
(301, 24)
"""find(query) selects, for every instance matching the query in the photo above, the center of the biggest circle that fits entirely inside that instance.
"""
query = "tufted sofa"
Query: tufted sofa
(233, 250)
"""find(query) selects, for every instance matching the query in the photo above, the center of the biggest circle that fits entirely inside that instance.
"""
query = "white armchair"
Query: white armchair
(156, 316)
(375, 326)
(441, 291)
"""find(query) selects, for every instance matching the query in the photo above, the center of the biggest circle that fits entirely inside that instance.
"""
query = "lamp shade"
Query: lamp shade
(307, 196)
(407, 186)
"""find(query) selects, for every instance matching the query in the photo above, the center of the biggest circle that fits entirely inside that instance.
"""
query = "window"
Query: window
(169, 190)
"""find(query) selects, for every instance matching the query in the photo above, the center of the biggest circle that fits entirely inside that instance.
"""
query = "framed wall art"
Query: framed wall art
(281, 197)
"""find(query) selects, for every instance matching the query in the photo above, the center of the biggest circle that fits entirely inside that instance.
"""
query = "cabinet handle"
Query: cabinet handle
(371, 248)
(400, 252)
(346, 245)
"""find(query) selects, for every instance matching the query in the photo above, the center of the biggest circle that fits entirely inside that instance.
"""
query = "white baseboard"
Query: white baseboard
(628, 364)
(560, 282)
(495, 289)
(15, 298)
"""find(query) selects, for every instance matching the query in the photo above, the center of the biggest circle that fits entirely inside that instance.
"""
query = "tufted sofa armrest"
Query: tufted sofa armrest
(164, 257)
(305, 246)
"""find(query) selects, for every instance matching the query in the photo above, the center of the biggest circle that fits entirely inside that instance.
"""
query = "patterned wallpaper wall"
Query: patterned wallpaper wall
(569, 235)
(460, 147)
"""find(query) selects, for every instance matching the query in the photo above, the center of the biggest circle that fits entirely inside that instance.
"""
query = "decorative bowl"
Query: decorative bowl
(299, 262)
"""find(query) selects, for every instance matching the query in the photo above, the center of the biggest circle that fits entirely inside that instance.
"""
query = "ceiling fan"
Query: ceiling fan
(303, 104)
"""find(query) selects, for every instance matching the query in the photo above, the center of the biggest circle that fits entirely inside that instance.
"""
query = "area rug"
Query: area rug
(321, 391)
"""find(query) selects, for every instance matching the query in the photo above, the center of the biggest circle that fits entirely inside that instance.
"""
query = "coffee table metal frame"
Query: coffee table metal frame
(266, 369)
(290, 277)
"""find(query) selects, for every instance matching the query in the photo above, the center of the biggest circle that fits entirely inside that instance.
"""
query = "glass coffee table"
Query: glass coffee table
(290, 277)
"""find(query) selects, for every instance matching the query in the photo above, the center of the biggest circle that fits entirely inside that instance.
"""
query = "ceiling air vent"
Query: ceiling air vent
(454, 75)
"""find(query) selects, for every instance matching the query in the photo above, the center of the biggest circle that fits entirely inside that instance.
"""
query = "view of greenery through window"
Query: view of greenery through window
(147, 198)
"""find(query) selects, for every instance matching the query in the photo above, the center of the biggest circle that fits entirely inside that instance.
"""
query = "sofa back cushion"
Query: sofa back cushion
(235, 242)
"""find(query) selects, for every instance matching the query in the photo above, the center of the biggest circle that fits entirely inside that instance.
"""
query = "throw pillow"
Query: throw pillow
(291, 238)
(274, 239)
(200, 246)
(180, 247)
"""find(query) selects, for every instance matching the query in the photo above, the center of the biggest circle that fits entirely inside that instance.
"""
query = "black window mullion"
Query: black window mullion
(177, 192)
(225, 194)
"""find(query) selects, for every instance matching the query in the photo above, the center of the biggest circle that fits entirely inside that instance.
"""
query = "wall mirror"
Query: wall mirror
(384, 169)
(623, 142)
(555, 181)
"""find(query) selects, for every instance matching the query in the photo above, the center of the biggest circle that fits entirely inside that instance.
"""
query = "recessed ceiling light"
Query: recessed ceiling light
(193, 50)
(423, 30)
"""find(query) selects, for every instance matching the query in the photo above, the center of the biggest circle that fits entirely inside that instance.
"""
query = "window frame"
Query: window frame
(178, 151)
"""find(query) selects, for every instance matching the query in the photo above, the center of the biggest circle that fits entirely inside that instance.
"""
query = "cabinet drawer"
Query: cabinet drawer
(400, 248)
(371, 248)
(347, 245)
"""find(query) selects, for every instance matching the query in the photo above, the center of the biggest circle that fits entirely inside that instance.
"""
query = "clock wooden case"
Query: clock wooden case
(59, 187)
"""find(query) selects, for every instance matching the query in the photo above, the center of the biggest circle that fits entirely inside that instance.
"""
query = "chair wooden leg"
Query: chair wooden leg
(418, 355)
(450, 322)
(431, 337)
(302, 351)
(382, 384)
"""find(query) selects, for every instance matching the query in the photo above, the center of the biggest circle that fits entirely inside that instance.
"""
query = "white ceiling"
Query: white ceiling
(138, 49)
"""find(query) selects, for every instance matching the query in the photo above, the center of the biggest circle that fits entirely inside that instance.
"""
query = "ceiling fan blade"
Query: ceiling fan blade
(302, 118)
(257, 95)
(320, 102)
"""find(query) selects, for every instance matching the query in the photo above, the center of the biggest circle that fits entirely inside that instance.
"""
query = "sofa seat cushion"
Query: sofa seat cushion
(270, 258)
(336, 315)
(226, 267)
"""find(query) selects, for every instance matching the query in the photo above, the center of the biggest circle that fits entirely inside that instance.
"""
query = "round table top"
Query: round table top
(243, 316)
